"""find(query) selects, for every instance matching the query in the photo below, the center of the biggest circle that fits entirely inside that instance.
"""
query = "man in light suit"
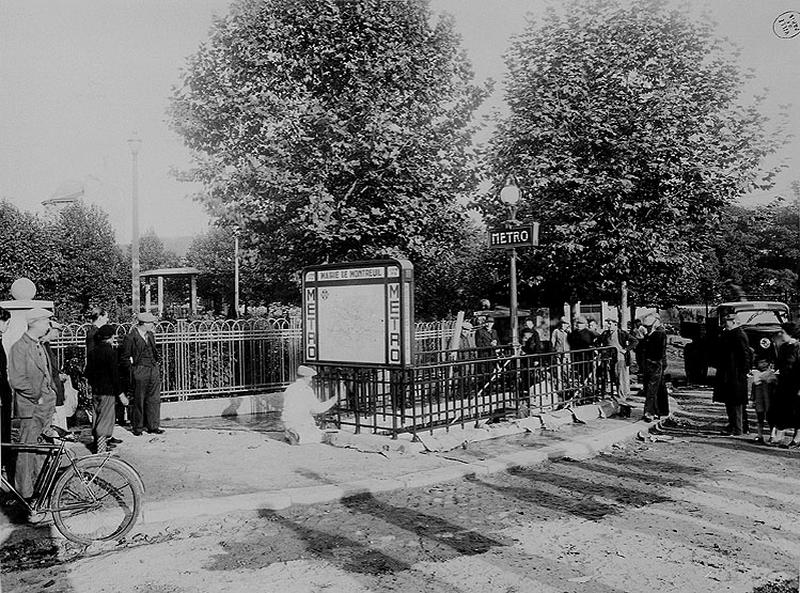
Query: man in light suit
(31, 378)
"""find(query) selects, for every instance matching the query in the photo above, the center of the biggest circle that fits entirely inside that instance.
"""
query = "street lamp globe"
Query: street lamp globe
(510, 194)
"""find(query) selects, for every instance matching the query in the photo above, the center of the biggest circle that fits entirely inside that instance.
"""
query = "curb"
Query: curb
(579, 448)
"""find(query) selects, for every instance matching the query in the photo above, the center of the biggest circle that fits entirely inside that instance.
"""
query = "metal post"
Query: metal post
(160, 296)
(134, 143)
(514, 321)
(236, 271)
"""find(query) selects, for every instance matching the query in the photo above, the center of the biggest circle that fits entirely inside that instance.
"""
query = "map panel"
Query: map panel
(352, 323)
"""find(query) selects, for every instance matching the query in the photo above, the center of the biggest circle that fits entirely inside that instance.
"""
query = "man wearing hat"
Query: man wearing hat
(102, 372)
(139, 360)
(31, 377)
(300, 405)
(654, 360)
(734, 360)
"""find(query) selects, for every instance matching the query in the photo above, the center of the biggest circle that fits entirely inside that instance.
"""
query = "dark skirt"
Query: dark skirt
(785, 409)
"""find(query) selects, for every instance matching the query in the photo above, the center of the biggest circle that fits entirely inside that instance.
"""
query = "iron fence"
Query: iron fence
(468, 386)
(204, 359)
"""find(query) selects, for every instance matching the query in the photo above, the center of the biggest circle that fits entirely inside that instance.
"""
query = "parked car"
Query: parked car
(759, 320)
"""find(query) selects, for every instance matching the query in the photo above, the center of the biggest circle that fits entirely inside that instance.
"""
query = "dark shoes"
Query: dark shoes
(138, 431)
(113, 441)
(646, 418)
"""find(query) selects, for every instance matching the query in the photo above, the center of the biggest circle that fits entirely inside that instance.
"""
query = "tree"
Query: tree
(152, 254)
(28, 249)
(758, 249)
(628, 135)
(91, 272)
(212, 254)
(332, 130)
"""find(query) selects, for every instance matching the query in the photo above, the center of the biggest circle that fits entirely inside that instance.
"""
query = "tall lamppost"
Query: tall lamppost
(510, 195)
(236, 232)
(134, 142)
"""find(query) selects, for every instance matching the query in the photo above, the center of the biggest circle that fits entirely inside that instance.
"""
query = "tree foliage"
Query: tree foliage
(72, 257)
(91, 272)
(213, 254)
(153, 254)
(27, 249)
(628, 134)
(757, 249)
(332, 130)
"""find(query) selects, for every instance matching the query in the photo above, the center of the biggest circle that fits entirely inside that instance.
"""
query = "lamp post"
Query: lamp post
(510, 195)
(134, 142)
(236, 232)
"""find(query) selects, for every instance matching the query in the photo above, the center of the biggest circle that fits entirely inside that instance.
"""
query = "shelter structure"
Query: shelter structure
(161, 273)
(65, 195)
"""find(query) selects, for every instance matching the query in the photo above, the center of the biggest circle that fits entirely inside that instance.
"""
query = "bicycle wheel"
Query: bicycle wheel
(101, 502)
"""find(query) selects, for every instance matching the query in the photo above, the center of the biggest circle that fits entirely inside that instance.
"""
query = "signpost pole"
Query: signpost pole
(514, 321)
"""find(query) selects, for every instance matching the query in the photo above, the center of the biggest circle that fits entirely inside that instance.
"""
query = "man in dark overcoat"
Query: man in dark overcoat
(139, 364)
(654, 363)
(734, 361)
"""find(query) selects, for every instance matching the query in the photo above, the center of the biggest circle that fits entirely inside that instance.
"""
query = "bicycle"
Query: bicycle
(93, 498)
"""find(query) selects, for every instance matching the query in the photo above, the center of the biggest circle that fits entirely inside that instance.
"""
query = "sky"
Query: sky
(78, 77)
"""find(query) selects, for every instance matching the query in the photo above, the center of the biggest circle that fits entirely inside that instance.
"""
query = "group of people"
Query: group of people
(773, 385)
(574, 345)
(32, 387)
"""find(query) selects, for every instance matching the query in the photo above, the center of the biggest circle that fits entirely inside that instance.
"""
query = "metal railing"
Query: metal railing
(470, 386)
(205, 359)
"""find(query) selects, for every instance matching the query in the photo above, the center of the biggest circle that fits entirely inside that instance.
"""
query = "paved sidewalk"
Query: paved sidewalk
(218, 466)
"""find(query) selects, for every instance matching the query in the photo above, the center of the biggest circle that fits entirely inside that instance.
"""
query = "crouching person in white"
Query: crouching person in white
(299, 407)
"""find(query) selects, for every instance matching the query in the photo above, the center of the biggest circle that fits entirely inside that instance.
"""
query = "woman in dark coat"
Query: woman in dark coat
(102, 372)
(785, 411)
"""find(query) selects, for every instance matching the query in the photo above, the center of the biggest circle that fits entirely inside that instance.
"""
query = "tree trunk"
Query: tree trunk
(624, 317)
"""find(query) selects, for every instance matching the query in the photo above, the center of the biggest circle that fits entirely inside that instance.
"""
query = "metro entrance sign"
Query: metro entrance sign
(519, 236)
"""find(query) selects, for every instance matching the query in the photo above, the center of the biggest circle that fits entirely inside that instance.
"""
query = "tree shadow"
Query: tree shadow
(750, 447)
(338, 549)
(460, 540)
(629, 475)
(656, 465)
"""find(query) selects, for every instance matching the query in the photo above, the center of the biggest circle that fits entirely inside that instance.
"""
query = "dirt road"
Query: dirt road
(697, 513)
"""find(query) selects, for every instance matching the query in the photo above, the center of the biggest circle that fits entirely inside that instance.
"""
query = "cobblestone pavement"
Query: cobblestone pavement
(692, 511)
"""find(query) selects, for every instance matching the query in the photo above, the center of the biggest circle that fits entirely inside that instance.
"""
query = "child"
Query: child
(764, 383)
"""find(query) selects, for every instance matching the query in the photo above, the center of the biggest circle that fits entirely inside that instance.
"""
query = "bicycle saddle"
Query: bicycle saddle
(56, 432)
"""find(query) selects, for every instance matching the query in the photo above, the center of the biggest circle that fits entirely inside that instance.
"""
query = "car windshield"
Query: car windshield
(760, 317)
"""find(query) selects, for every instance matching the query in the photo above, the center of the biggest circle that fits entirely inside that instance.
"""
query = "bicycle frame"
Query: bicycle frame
(49, 473)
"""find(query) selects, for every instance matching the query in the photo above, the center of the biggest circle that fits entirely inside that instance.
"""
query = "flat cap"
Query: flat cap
(146, 317)
(38, 314)
(306, 371)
